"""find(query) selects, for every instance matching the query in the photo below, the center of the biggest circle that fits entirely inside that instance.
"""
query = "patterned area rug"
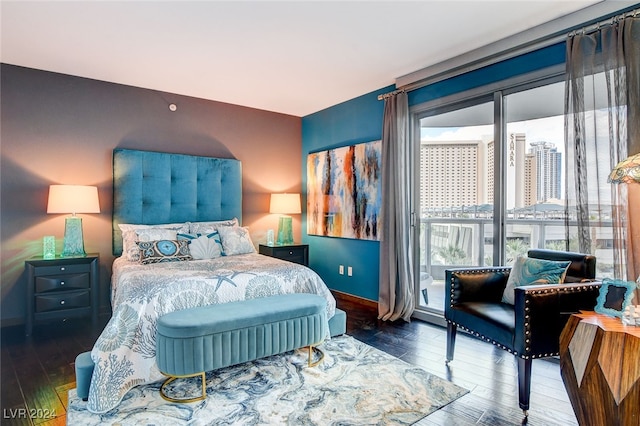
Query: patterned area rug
(355, 384)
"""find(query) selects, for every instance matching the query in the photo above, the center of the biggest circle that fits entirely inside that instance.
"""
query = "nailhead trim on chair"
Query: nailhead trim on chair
(527, 325)
(493, 342)
(471, 272)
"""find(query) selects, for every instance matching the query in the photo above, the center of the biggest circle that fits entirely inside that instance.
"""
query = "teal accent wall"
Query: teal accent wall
(360, 120)
(352, 122)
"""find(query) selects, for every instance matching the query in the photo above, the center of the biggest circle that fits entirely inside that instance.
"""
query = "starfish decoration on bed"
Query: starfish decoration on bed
(228, 277)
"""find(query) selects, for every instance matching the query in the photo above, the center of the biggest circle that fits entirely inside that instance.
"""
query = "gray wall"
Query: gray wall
(61, 129)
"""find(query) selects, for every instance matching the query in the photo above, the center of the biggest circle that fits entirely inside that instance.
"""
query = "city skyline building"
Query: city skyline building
(516, 169)
(456, 168)
(548, 169)
(463, 173)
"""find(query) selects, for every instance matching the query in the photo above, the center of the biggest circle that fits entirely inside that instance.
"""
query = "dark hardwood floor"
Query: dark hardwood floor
(37, 371)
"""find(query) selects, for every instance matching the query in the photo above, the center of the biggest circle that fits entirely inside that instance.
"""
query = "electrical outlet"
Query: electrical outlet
(350, 271)
(341, 269)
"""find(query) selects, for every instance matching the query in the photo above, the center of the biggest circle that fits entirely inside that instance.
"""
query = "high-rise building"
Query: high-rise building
(516, 171)
(490, 171)
(449, 173)
(549, 171)
(530, 180)
(454, 174)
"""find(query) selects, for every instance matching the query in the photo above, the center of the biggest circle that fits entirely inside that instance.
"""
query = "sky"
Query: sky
(549, 129)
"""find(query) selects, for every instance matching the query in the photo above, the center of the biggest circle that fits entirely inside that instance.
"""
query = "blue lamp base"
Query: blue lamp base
(73, 239)
(285, 230)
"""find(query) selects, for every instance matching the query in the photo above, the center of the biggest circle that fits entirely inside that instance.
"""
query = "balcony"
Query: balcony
(464, 238)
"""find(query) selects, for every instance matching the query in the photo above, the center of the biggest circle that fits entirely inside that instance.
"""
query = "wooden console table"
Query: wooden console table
(600, 368)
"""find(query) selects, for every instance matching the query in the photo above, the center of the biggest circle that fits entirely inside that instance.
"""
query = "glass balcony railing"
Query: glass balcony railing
(455, 241)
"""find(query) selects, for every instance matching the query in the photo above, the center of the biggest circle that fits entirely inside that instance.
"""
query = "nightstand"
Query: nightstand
(61, 288)
(298, 253)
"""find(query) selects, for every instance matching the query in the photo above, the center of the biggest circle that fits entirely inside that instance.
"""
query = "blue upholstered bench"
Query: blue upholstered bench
(84, 364)
(84, 370)
(338, 323)
(192, 341)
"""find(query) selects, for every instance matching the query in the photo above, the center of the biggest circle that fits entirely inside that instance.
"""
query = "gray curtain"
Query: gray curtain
(396, 294)
(602, 126)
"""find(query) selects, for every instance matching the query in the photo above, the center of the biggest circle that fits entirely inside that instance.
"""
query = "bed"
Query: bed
(180, 244)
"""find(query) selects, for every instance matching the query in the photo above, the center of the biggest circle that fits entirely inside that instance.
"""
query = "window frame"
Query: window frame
(496, 93)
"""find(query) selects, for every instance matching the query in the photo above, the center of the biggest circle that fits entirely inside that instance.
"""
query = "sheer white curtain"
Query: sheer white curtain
(396, 294)
(602, 126)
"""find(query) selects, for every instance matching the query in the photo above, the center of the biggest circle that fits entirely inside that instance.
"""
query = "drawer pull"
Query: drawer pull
(62, 268)
(291, 253)
(61, 283)
(62, 302)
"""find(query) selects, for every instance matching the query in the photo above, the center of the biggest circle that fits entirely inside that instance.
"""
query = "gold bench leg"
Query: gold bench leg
(313, 349)
(171, 378)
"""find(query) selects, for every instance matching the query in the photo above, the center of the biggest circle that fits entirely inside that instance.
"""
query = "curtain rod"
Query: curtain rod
(607, 22)
(390, 94)
(552, 38)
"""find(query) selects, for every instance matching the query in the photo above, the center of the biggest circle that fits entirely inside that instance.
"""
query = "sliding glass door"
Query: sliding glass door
(456, 196)
(491, 184)
(535, 170)
(491, 178)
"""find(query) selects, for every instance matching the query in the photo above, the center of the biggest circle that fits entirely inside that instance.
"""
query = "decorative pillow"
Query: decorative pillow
(163, 251)
(155, 234)
(203, 246)
(530, 271)
(209, 227)
(236, 240)
(130, 237)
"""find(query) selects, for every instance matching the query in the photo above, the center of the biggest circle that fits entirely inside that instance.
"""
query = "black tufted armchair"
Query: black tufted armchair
(529, 329)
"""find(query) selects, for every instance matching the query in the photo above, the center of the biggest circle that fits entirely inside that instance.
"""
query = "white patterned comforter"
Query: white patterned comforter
(124, 354)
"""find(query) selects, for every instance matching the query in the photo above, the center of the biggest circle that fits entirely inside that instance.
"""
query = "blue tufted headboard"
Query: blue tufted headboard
(154, 187)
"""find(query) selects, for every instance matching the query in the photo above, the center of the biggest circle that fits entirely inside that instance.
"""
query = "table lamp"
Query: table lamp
(73, 199)
(285, 204)
(628, 171)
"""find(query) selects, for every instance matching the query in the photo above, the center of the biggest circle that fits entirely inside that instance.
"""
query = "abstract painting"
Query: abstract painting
(343, 191)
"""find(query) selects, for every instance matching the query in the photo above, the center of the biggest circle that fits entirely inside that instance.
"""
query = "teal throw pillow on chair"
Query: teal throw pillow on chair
(530, 271)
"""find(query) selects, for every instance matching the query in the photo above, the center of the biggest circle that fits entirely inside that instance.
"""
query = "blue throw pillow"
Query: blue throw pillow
(530, 271)
(163, 251)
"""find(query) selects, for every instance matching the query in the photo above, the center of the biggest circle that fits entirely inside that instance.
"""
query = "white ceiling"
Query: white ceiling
(289, 57)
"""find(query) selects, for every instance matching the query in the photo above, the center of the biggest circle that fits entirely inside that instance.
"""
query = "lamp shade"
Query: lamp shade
(73, 199)
(285, 204)
(626, 171)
